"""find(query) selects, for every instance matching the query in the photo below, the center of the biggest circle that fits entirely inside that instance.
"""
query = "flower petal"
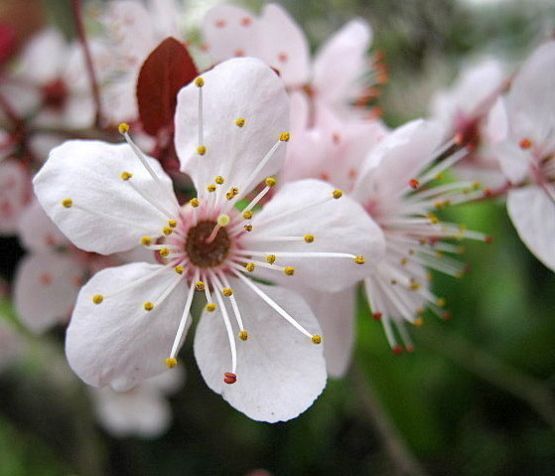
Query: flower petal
(43, 58)
(239, 88)
(280, 372)
(283, 45)
(341, 61)
(118, 342)
(338, 226)
(37, 232)
(513, 161)
(336, 314)
(231, 31)
(533, 214)
(108, 214)
(14, 194)
(45, 290)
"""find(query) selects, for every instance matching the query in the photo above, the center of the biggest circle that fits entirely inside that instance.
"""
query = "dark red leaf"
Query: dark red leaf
(166, 70)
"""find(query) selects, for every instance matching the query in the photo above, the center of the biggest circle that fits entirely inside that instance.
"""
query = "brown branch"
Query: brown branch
(76, 7)
(401, 458)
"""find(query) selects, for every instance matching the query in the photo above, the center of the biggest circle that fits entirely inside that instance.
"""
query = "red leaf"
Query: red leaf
(166, 70)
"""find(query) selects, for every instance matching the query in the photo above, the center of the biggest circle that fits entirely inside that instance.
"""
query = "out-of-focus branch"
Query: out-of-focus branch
(402, 459)
(528, 389)
(76, 7)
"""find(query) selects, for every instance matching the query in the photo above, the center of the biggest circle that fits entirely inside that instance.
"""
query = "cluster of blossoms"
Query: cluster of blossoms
(265, 187)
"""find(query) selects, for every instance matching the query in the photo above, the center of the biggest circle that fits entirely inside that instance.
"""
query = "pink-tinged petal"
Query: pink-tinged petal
(533, 214)
(37, 232)
(531, 101)
(299, 109)
(230, 31)
(513, 160)
(341, 62)
(40, 144)
(106, 214)
(280, 372)
(118, 342)
(332, 150)
(398, 158)
(336, 314)
(15, 190)
(242, 88)
(46, 287)
(43, 58)
(165, 15)
(283, 45)
(337, 225)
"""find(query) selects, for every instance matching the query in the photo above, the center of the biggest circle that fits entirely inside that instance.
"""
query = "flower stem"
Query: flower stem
(524, 387)
(76, 7)
(401, 458)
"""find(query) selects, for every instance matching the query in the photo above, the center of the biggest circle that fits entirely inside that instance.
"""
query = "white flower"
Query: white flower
(15, 190)
(142, 411)
(231, 132)
(527, 157)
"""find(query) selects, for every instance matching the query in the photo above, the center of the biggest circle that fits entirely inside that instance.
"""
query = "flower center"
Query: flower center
(206, 253)
(55, 94)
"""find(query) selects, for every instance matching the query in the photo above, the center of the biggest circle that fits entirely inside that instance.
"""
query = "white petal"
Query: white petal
(341, 61)
(37, 232)
(136, 412)
(46, 287)
(283, 45)
(399, 157)
(108, 215)
(339, 226)
(238, 88)
(533, 214)
(280, 372)
(336, 314)
(513, 161)
(531, 100)
(231, 31)
(43, 58)
(14, 194)
(117, 342)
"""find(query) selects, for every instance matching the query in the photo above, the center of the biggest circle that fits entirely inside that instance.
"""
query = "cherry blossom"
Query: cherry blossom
(15, 191)
(527, 157)
(256, 344)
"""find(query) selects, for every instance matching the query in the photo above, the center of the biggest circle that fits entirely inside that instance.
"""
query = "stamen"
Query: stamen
(183, 320)
(232, 377)
(201, 149)
(221, 222)
(98, 298)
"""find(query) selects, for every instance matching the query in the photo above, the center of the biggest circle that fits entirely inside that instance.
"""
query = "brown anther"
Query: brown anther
(414, 183)
(230, 378)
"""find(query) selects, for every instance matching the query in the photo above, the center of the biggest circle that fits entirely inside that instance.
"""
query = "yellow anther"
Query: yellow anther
(227, 292)
(414, 285)
(167, 230)
(247, 227)
(98, 298)
(123, 128)
(337, 193)
(284, 136)
(316, 339)
(219, 180)
(223, 220)
(199, 286)
(164, 252)
(170, 362)
(441, 302)
(126, 176)
(270, 181)
(194, 202)
(250, 267)
(201, 150)
(404, 261)
(289, 270)
(199, 82)
(360, 259)
(433, 219)
(179, 269)
(149, 306)
(211, 187)
(146, 240)
(172, 223)
(243, 335)
(211, 307)
(418, 322)
(232, 193)
(309, 238)
(247, 214)
(240, 121)
(271, 259)
(67, 202)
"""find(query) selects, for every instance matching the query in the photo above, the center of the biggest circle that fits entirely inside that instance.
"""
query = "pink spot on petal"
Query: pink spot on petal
(239, 52)
(282, 57)
(246, 21)
(220, 23)
(45, 279)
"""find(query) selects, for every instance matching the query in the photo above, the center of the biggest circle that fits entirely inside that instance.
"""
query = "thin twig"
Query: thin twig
(524, 387)
(77, 10)
(401, 458)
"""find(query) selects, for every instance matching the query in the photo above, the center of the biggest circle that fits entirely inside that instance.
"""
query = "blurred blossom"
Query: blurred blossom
(11, 345)
(15, 192)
